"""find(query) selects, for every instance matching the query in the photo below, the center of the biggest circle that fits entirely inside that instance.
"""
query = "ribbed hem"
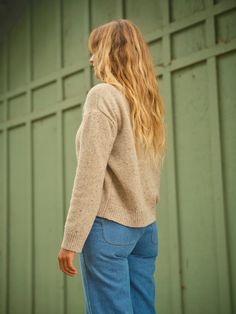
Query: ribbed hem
(138, 219)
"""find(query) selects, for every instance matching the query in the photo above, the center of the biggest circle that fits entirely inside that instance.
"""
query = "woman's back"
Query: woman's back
(129, 192)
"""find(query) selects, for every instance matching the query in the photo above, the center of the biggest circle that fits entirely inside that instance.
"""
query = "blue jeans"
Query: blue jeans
(117, 264)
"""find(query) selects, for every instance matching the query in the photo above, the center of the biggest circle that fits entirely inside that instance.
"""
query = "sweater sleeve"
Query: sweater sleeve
(93, 147)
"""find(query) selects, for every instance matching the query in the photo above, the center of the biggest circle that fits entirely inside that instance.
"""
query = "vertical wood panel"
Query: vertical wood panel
(3, 222)
(188, 41)
(44, 46)
(227, 103)
(152, 16)
(17, 53)
(104, 11)
(74, 28)
(71, 120)
(181, 8)
(174, 270)
(194, 182)
(44, 97)
(47, 218)
(17, 106)
(2, 76)
(19, 224)
(217, 177)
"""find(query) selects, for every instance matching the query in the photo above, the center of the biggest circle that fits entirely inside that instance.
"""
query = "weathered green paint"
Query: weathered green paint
(44, 77)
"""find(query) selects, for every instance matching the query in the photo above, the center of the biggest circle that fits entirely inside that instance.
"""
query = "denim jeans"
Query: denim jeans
(117, 264)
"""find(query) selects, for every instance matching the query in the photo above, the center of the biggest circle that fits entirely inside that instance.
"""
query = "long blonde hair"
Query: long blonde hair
(122, 58)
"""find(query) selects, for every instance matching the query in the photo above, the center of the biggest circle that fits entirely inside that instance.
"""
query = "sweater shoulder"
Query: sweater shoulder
(104, 91)
(105, 98)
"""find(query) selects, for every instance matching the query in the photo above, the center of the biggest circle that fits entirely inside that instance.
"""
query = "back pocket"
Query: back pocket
(118, 234)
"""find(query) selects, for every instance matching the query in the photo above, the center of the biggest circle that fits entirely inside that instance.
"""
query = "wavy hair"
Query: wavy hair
(122, 59)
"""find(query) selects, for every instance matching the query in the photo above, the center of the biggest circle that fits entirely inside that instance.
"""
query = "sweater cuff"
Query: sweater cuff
(72, 242)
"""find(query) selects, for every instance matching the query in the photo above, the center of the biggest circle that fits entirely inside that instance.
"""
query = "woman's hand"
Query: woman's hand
(65, 258)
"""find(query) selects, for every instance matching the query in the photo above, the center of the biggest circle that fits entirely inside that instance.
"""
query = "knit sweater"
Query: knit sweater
(110, 180)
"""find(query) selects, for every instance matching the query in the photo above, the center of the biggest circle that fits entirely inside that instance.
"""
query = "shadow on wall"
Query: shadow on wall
(10, 12)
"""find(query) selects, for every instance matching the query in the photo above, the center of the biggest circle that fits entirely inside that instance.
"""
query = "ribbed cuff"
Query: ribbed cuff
(71, 241)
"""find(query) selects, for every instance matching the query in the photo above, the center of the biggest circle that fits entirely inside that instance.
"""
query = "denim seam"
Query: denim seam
(86, 282)
(152, 237)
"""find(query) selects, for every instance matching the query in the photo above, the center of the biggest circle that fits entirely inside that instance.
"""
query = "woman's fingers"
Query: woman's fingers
(70, 266)
(65, 261)
(66, 268)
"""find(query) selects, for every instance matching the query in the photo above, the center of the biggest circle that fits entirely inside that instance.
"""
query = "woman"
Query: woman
(120, 147)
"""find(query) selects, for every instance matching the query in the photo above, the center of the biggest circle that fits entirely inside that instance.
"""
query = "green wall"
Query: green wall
(44, 78)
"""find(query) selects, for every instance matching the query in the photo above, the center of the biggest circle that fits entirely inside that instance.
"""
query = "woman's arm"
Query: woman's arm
(96, 140)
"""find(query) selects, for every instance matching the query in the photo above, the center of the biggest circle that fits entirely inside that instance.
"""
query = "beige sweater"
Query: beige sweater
(110, 181)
